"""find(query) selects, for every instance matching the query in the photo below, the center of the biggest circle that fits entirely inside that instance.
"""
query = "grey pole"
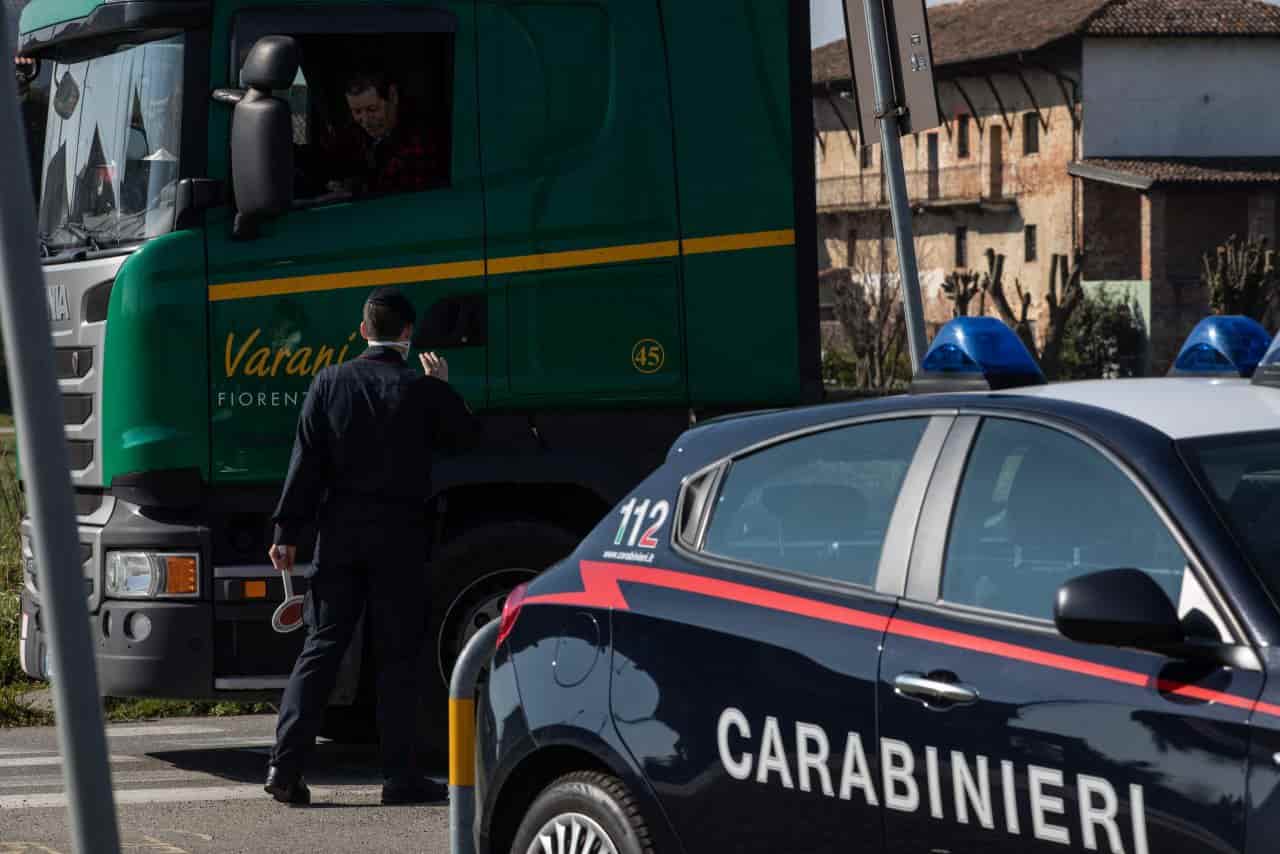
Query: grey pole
(888, 111)
(462, 737)
(28, 348)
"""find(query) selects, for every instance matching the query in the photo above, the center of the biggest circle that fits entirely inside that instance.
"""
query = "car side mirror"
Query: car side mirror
(262, 135)
(1118, 607)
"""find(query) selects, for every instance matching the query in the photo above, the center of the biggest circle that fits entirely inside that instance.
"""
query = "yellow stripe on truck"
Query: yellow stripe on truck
(501, 266)
(339, 281)
(462, 742)
(739, 242)
(585, 257)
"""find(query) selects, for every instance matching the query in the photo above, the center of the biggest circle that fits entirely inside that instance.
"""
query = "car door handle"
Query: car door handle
(933, 692)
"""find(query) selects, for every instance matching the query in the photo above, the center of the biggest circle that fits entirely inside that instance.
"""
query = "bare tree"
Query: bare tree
(872, 317)
(868, 305)
(1242, 278)
(1063, 296)
(961, 288)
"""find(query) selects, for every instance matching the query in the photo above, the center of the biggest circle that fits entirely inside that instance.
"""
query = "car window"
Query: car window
(1038, 507)
(819, 504)
(1242, 473)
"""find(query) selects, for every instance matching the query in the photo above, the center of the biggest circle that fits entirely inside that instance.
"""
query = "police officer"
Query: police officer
(361, 466)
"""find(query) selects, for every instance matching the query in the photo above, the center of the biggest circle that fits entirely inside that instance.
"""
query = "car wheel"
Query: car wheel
(586, 812)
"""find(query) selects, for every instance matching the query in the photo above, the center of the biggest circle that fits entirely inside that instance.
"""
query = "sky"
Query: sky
(828, 19)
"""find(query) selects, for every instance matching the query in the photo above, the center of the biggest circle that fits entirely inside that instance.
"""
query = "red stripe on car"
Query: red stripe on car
(600, 589)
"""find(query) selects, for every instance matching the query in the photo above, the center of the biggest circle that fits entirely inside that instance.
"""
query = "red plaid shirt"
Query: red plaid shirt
(406, 160)
(409, 159)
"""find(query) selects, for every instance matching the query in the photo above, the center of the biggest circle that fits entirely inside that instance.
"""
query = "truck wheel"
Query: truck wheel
(586, 812)
(470, 579)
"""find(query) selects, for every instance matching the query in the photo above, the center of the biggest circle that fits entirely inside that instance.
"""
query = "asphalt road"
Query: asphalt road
(195, 785)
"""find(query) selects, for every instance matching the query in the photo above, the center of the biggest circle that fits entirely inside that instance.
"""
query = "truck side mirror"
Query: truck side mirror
(262, 135)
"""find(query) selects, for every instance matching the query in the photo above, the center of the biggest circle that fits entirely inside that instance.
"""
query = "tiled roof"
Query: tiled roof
(984, 29)
(1150, 172)
(1186, 18)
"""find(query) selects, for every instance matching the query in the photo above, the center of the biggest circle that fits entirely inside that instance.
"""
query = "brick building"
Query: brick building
(1142, 132)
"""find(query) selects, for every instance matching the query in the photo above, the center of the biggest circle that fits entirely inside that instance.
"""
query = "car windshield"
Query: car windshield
(111, 148)
(1242, 473)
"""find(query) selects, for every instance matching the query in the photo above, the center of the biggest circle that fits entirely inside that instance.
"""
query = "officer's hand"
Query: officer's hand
(282, 557)
(434, 366)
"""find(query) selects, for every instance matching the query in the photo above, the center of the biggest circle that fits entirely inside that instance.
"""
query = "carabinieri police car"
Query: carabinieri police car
(1037, 618)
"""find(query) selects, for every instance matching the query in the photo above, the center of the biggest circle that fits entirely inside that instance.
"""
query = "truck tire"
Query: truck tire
(470, 579)
(596, 805)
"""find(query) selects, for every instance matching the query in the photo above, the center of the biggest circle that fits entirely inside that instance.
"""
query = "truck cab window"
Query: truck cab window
(372, 114)
(112, 148)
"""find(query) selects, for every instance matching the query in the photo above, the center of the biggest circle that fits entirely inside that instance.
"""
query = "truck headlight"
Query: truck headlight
(28, 565)
(149, 575)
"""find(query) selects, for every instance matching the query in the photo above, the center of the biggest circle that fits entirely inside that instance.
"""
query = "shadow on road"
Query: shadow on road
(330, 765)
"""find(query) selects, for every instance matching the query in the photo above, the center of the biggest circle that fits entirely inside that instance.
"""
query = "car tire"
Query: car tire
(591, 801)
(470, 578)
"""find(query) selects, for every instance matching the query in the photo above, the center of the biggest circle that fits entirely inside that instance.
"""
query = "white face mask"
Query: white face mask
(402, 346)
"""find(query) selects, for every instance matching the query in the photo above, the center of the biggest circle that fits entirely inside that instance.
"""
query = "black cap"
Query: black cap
(396, 301)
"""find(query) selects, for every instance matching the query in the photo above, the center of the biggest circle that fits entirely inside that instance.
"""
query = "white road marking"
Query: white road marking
(210, 743)
(192, 794)
(157, 731)
(39, 761)
(24, 751)
(118, 778)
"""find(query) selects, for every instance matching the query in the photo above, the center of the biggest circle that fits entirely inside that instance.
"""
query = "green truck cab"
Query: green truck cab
(609, 233)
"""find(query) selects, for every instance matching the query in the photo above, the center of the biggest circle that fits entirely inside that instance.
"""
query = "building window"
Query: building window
(1030, 133)
(962, 137)
(864, 156)
(851, 248)
(1029, 236)
(962, 246)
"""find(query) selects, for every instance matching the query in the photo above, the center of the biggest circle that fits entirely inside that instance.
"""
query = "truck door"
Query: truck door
(580, 201)
(387, 191)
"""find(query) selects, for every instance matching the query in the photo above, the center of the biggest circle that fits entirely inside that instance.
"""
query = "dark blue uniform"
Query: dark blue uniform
(362, 465)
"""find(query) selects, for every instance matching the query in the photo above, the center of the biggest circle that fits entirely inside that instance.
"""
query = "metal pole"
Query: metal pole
(462, 737)
(888, 111)
(42, 449)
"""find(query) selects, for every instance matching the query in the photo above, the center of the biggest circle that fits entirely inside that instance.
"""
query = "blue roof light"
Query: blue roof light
(1227, 345)
(977, 352)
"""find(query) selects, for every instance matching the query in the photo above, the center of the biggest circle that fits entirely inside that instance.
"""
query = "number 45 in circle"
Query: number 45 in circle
(634, 515)
(648, 356)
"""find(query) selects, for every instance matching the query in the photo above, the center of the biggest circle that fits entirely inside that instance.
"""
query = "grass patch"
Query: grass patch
(119, 710)
(14, 710)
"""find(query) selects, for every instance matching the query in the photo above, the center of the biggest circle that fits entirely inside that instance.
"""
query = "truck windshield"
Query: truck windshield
(1242, 473)
(111, 148)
